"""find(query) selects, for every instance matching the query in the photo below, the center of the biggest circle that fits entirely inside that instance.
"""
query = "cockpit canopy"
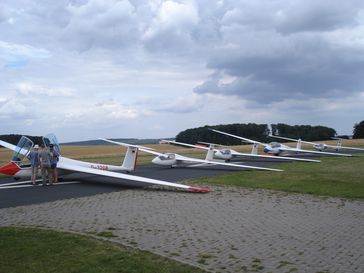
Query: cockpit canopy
(22, 149)
(25, 145)
(167, 157)
(275, 145)
(52, 139)
(225, 152)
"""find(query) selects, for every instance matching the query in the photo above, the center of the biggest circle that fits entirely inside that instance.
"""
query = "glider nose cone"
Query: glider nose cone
(10, 169)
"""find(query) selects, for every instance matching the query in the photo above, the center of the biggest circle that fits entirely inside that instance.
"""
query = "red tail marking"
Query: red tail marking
(197, 189)
(10, 169)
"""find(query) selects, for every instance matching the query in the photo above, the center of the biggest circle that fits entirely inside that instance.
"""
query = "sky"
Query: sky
(84, 69)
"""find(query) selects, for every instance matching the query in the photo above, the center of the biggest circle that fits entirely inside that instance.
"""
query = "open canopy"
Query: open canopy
(22, 149)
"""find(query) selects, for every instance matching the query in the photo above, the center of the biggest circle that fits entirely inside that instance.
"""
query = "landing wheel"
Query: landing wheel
(16, 178)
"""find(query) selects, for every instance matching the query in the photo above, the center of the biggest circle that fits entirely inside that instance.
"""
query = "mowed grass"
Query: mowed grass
(42, 251)
(334, 176)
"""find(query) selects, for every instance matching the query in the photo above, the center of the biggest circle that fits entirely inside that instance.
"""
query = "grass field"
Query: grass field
(40, 251)
(334, 176)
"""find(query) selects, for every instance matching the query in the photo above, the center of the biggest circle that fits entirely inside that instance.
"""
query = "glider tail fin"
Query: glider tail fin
(210, 153)
(254, 149)
(130, 158)
(338, 144)
(299, 144)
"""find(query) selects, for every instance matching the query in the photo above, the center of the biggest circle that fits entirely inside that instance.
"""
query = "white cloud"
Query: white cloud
(129, 67)
(31, 89)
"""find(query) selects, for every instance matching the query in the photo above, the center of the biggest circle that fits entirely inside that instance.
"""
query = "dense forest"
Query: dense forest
(359, 130)
(259, 132)
(305, 132)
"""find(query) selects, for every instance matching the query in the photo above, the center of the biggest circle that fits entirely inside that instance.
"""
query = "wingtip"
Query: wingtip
(200, 190)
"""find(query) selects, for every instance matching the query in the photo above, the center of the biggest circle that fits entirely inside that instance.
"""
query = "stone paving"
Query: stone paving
(227, 230)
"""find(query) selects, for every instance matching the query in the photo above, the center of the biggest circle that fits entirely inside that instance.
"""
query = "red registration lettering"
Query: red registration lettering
(100, 167)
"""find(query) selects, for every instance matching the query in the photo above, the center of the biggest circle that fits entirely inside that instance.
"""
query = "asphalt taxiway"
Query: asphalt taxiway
(21, 192)
(17, 193)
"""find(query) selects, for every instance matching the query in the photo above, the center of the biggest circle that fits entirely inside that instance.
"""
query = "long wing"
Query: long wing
(292, 139)
(141, 148)
(345, 147)
(186, 144)
(63, 164)
(196, 160)
(126, 144)
(312, 152)
(7, 145)
(275, 157)
(239, 137)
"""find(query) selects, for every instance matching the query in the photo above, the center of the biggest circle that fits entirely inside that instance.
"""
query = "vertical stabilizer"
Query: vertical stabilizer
(210, 153)
(338, 144)
(254, 149)
(299, 144)
(130, 159)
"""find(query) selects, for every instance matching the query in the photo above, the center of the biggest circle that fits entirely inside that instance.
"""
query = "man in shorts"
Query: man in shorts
(54, 160)
(45, 164)
(34, 163)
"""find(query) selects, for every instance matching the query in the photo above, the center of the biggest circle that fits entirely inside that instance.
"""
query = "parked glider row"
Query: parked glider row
(276, 148)
(19, 166)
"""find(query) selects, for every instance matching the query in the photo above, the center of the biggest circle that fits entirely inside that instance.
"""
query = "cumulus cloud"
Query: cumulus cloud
(172, 27)
(103, 112)
(198, 61)
(37, 90)
(271, 66)
(105, 24)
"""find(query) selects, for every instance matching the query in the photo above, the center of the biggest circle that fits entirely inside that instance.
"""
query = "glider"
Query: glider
(322, 146)
(228, 154)
(174, 160)
(277, 148)
(18, 169)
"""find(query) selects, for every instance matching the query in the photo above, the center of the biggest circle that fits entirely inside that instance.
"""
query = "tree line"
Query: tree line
(259, 132)
(14, 138)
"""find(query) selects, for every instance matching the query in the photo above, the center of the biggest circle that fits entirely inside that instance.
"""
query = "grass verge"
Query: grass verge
(334, 176)
(35, 250)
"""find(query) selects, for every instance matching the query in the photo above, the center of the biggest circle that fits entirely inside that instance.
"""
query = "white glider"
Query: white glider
(174, 160)
(277, 148)
(322, 146)
(65, 166)
(228, 154)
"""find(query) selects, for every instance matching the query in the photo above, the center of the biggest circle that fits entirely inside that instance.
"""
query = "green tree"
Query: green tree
(359, 130)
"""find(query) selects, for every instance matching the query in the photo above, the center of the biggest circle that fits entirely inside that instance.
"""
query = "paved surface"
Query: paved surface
(227, 230)
(24, 194)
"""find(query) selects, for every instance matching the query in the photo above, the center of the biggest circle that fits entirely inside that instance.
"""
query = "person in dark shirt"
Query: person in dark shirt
(54, 160)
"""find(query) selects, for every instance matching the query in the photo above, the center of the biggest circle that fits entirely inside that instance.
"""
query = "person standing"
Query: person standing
(34, 163)
(54, 160)
(45, 164)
